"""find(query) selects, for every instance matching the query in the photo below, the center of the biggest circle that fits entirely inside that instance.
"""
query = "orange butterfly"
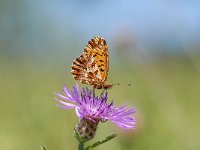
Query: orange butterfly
(93, 65)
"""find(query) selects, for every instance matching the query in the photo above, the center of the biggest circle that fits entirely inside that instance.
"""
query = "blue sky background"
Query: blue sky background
(48, 25)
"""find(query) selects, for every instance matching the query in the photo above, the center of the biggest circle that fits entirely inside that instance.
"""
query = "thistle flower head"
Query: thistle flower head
(88, 106)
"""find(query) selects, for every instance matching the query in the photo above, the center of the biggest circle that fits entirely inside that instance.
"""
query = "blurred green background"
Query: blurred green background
(153, 45)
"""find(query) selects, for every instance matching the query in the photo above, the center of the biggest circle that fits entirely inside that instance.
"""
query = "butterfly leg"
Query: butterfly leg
(93, 90)
(104, 90)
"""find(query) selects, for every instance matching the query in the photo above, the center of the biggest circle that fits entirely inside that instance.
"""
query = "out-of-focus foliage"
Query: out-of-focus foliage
(164, 92)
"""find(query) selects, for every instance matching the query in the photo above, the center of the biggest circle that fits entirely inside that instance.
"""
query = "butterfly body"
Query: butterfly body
(93, 65)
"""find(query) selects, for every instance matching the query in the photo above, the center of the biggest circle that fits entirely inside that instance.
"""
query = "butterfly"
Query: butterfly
(93, 65)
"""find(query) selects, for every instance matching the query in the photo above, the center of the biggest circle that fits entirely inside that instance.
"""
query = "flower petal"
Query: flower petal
(92, 107)
(67, 105)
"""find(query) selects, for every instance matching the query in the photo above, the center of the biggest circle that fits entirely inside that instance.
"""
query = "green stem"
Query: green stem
(108, 138)
(81, 146)
(43, 148)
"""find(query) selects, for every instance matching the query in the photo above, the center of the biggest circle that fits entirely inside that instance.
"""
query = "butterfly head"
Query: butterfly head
(103, 86)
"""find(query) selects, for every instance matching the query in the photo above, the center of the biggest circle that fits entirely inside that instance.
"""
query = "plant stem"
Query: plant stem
(108, 138)
(81, 146)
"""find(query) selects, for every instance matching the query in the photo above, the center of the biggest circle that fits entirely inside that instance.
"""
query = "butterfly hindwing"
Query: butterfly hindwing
(93, 65)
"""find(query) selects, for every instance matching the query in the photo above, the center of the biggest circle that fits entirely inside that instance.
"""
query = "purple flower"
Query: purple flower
(95, 108)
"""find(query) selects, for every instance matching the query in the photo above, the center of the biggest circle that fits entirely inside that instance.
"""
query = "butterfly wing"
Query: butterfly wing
(93, 65)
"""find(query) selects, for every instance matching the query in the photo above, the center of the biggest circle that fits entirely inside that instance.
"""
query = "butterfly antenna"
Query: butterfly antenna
(122, 84)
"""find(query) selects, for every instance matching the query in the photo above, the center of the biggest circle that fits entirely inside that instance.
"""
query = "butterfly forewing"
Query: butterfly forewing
(93, 65)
